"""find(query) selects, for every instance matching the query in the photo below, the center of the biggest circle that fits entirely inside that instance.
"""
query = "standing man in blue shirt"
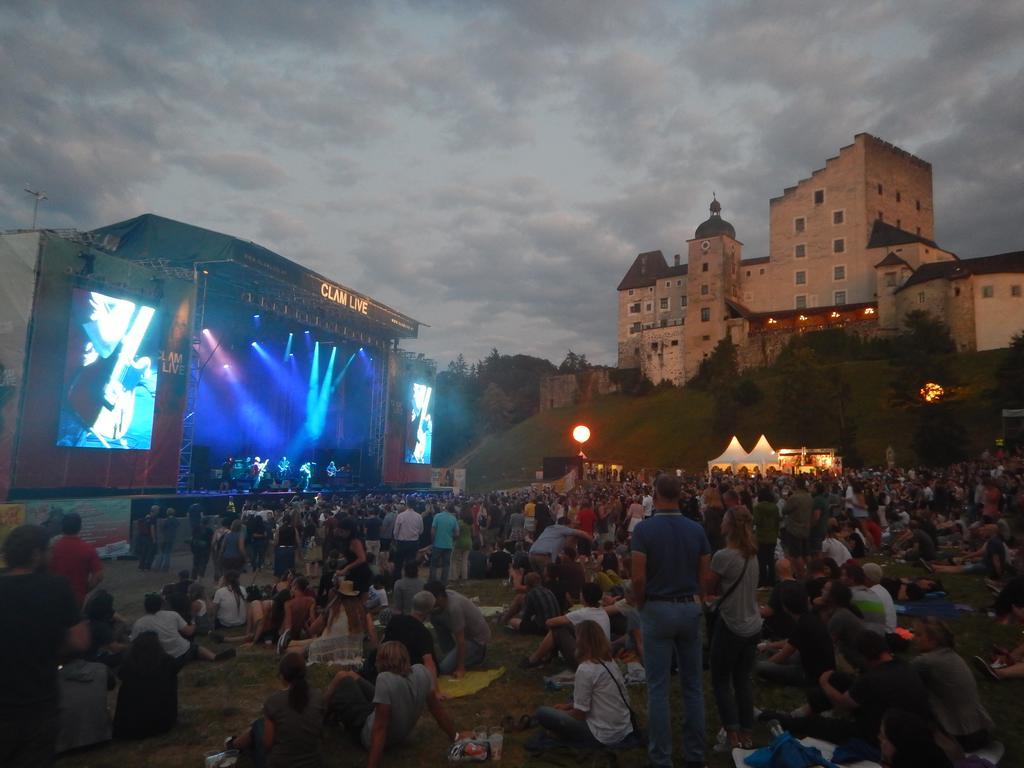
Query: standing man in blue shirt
(444, 529)
(671, 563)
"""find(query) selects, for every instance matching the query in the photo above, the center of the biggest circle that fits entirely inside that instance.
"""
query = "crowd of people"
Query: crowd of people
(774, 580)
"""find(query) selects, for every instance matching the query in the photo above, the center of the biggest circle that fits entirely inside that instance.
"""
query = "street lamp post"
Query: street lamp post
(38, 195)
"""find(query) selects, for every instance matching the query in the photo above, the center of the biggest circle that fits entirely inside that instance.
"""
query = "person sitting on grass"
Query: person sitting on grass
(147, 701)
(906, 742)
(383, 715)
(887, 682)
(988, 559)
(230, 609)
(477, 562)
(289, 732)
(174, 633)
(809, 638)
(408, 629)
(344, 616)
(405, 588)
(377, 599)
(561, 635)
(598, 715)
(298, 614)
(953, 691)
(462, 630)
(530, 611)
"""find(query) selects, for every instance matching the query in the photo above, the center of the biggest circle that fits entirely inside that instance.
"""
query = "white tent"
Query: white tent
(733, 458)
(763, 455)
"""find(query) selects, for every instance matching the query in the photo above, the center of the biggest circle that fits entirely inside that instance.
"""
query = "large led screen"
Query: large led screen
(111, 374)
(420, 429)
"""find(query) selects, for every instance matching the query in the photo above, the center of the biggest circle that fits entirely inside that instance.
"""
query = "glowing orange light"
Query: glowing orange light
(932, 392)
(835, 314)
(802, 317)
(869, 311)
(580, 433)
(772, 321)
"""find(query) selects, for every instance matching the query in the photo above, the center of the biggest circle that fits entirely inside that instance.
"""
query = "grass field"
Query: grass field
(220, 699)
(672, 428)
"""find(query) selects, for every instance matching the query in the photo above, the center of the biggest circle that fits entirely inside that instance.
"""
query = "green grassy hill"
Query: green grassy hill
(672, 428)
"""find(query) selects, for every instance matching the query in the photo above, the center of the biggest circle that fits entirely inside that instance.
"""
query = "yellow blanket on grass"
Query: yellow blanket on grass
(472, 682)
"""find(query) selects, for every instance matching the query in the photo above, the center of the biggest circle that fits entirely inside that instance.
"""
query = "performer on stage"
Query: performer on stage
(305, 474)
(332, 470)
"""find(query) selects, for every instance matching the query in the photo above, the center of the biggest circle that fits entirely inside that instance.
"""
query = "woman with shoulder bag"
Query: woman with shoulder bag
(736, 627)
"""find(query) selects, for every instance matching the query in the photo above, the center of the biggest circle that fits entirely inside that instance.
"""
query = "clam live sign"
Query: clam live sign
(360, 304)
(338, 295)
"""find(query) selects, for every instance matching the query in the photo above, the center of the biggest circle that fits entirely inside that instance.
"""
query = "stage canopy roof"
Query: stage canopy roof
(763, 454)
(241, 270)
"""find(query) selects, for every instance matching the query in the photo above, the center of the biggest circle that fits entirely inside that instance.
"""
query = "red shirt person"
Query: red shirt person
(76, 560)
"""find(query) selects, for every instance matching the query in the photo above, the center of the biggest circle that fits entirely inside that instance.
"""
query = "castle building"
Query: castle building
(852, 246)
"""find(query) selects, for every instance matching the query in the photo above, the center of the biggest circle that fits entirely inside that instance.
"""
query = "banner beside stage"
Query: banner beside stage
(105, 522)
(449, 477)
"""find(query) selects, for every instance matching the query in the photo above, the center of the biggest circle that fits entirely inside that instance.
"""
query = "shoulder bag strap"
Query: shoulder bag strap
(632, 715)
(732, 587)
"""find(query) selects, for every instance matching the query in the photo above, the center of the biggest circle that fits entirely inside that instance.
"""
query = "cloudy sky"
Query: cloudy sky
(492, 168)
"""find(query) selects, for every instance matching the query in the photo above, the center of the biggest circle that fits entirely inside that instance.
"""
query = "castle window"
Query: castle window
(762, 270)
(748, 273)
(838, 217)
(675, 342)
(630, 291)
(838, 245)
(704, 267)
(839, 272)
(705, 314)
(956, 291)
(635, 328)
(1015, 291)
(800, 302)
(634, 309)
(678, 283)
(918, 204)
(879, 192)
(987, 292)
(918, 231)
(839, 298)
(800, 278)
(654, 346)
(668, 283)
(898, 197)
(899, 224)
(705, 338)
(663, 303)
(920, 297)
(799, 250)
(799, 224)
(704, 290)
(819, 196)
(881, 216)
(649, 307)
(682, 302)
(890, 279)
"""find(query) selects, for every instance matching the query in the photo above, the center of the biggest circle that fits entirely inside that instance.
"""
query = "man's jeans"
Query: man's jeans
(475, 652)
(440, 561)
(669, 627)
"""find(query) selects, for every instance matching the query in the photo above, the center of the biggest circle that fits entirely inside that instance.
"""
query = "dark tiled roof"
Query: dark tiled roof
(953, 270)
(937, 270)
(754, 261)
(883, 235)
(736, 307)
(1001, 262)
(892, 260)
(648, 268)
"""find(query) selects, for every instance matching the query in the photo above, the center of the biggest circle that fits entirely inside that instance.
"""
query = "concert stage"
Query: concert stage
(152, 358)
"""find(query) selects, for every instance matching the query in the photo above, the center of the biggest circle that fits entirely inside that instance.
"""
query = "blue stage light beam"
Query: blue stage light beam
(288, 348)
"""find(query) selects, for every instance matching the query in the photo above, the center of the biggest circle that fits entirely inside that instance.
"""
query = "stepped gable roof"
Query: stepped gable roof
(1000, 263)
(892, 260)
(883, 235)
(648, 268)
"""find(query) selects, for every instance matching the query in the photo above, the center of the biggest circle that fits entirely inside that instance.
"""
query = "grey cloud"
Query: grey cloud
(240, 170)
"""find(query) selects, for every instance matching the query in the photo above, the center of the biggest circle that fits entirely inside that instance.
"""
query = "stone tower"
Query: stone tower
(713, 261)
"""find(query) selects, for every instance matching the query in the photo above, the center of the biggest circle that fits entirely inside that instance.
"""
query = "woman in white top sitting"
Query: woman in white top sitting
(344, 616)
(598, 715)
(230, 609)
